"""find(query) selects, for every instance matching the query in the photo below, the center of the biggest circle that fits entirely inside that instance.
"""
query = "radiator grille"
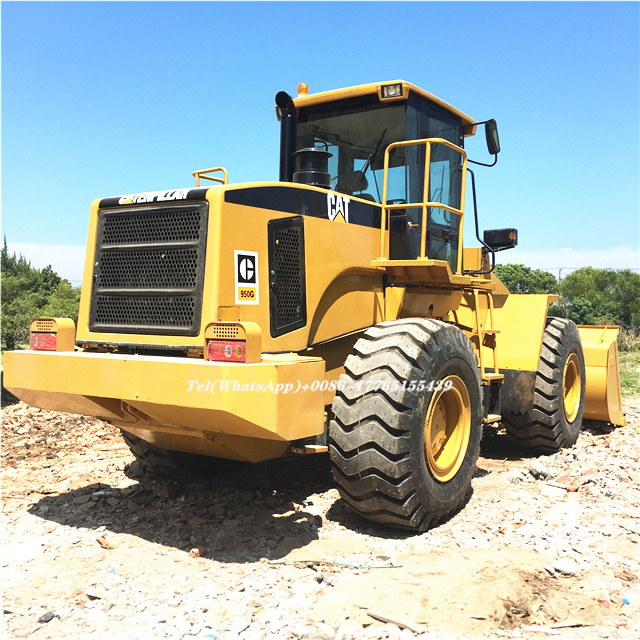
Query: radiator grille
(149, 270)
(154, 226)
(287, 303)
(147, 311)
(175, 268)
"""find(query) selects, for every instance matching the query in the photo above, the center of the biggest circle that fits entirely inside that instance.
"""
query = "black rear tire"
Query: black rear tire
(404, 451)
(558, 401)
(178, 465)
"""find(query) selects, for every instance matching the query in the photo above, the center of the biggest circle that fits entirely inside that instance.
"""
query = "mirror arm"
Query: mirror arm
(482, 164)
(486, 248)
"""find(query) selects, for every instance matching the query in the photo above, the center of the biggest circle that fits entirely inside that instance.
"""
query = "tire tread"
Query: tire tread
(370, 439)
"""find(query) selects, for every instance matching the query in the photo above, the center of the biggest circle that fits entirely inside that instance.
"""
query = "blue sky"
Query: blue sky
(107, 98)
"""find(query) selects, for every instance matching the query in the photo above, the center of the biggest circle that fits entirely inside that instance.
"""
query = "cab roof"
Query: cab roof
(322, 97)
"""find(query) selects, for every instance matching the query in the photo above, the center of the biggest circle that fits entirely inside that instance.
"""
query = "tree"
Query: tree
(17, 315)
(28, 292)
(601, 296)
(64, 302)
(520, 279)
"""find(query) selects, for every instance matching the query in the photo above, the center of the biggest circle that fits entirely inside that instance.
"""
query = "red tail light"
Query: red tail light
(227, 350)
(41, 341)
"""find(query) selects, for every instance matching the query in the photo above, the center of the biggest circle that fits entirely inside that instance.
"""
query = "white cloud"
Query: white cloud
(66, 260)
(570, 259)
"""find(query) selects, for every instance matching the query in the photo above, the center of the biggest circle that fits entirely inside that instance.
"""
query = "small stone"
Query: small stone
(552, 492)
(565, 567)
(135, 470)
(349, 628)
(47, 617)
(231, 522)
(23, 632)
(393, 632)
(161, 492)
(255, 606)
(240, 623)
(538, 470)
(320, 632)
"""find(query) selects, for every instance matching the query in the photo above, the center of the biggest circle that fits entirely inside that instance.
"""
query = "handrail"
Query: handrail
(425, 206)
(202, 174)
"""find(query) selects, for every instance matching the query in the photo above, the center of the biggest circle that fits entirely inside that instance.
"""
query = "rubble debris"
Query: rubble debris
(103, 547)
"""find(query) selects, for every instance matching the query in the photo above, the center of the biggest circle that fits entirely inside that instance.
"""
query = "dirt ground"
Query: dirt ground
(95, 546)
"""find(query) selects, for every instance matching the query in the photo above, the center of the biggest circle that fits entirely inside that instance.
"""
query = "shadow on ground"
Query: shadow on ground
(240, 517)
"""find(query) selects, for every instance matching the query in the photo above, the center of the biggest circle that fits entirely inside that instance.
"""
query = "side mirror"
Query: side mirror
(501, 239)
(491, 132)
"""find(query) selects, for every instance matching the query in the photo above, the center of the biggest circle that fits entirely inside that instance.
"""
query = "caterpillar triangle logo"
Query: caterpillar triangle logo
(246, 270)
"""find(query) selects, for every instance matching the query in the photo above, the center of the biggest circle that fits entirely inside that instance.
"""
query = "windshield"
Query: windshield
(356, 132)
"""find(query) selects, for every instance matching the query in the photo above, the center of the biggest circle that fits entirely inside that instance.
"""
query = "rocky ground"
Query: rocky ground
(95, 547)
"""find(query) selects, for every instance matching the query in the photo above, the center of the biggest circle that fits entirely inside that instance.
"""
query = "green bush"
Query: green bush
(27, 293)
(601, 296)
(587, 296)
(630, 373)
(520, 279)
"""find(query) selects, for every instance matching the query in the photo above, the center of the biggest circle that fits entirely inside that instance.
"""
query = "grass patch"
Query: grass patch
(630, 373)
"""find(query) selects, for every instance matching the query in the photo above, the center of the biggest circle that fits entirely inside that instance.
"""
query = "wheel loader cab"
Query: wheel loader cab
(357, 130)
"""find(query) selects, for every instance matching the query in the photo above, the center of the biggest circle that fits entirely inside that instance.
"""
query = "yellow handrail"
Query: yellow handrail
(424, 205)
(202, 174)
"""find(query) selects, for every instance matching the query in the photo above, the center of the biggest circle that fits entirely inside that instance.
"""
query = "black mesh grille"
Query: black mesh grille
(142, 269)
(287, 275)
(287, 303)
(155, 226)
(146, 311)
(149, 270)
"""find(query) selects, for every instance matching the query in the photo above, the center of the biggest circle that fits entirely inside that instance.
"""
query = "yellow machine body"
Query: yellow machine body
(257, 243)
(185, 404)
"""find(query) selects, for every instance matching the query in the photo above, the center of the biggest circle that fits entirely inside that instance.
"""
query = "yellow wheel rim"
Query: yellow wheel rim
(572, 386)
(447, 428)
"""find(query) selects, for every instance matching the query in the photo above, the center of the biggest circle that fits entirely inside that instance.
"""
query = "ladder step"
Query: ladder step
(492, 417)
(489, 331)
(493, 377)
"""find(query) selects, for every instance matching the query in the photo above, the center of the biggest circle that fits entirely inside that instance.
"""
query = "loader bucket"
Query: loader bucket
(602, 398)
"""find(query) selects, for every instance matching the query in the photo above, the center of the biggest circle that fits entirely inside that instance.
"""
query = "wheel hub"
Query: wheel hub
(447, 428)
(572, 387)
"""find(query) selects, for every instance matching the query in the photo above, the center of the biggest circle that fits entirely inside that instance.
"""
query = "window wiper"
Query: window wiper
(359, 178)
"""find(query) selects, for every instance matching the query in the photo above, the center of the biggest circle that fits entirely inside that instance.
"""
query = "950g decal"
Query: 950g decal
(246, 272)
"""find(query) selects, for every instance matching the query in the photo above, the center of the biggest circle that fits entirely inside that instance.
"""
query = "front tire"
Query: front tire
(558, 400)
(408, 421)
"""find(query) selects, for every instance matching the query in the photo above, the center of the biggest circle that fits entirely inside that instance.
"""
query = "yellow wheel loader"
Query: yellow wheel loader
(334, 310)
